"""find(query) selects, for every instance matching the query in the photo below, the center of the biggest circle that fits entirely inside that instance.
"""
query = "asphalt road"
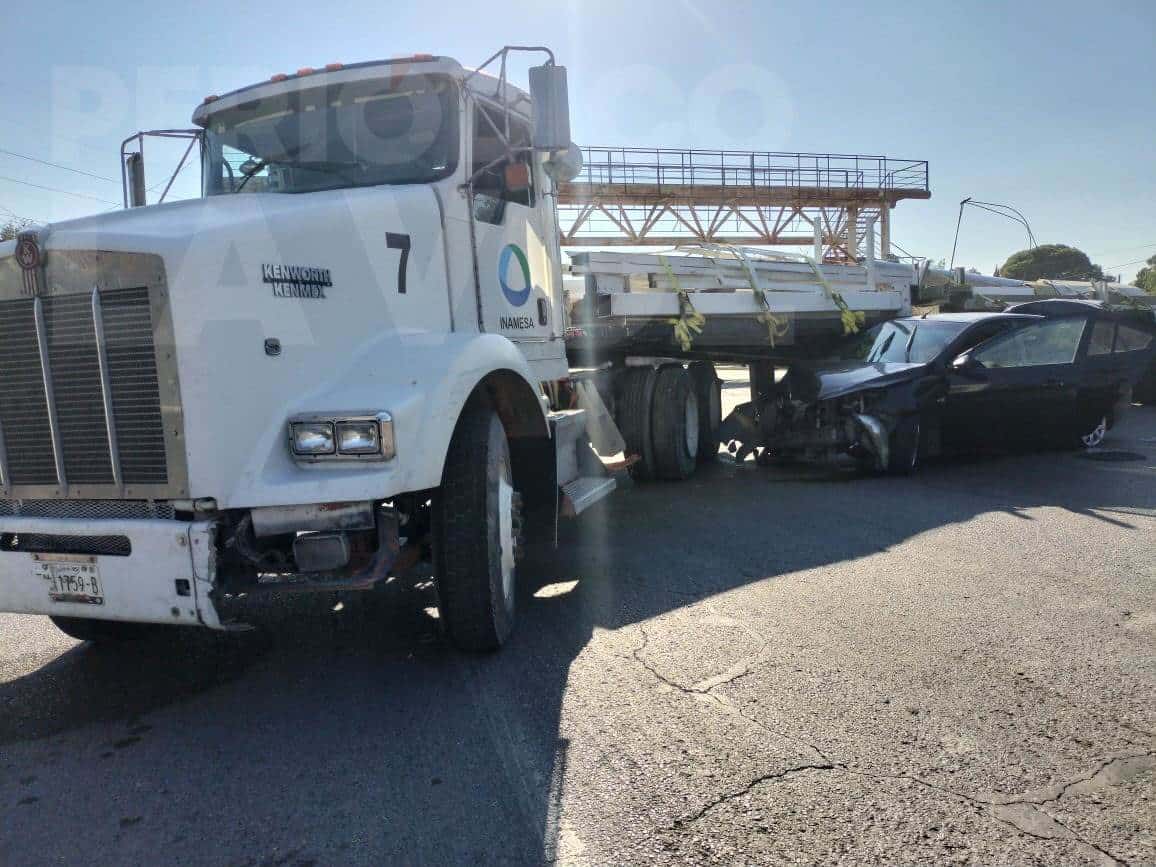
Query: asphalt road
(756, 666)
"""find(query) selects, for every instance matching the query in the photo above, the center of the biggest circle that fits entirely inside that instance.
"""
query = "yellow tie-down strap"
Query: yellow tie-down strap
(689, 322)
(852, 320)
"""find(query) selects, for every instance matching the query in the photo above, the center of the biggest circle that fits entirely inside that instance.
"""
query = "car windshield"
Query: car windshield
(384, 131)
(904, 340)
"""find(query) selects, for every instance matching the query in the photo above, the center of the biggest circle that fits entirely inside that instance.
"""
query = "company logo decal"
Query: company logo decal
(296, 281)
(517, 297)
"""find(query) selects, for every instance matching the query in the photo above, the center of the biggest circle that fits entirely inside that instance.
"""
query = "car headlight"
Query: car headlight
(342, 436)
(311, 438)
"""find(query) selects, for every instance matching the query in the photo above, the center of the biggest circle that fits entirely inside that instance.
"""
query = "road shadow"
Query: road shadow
(345, 730)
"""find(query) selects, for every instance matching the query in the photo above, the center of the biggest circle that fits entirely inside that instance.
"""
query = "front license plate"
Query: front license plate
(70, 578)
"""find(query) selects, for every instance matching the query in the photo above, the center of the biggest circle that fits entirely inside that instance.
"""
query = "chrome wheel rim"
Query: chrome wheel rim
(1096, 435)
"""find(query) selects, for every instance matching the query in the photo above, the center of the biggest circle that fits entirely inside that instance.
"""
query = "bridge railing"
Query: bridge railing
(687, 169)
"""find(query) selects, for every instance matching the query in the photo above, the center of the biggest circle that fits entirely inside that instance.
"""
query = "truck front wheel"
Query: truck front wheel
(475, 525)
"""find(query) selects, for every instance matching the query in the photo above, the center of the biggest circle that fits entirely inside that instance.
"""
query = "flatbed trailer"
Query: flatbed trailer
(727, 303)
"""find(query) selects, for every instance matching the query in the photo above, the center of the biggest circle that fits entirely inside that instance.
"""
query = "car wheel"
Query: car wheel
(903, 451)
(103, 631)
(475, 532)
(1095, 437)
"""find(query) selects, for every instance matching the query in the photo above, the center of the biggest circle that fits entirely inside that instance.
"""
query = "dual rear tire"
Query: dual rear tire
(669, 417)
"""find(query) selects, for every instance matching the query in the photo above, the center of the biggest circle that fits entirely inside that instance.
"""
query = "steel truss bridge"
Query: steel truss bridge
(658, 196)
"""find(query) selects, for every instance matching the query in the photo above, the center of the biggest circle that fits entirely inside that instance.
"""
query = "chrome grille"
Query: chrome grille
(76, 389)
(23, 407)
(79, 395)
(132, 368)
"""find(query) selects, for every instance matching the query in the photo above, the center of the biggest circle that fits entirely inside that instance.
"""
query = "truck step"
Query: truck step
(585, 491)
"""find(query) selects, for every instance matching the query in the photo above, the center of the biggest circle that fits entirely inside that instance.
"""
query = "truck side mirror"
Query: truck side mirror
(551, 100)
(134, 169)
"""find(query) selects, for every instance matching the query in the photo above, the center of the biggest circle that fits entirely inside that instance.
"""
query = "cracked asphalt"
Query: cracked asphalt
(758, 666)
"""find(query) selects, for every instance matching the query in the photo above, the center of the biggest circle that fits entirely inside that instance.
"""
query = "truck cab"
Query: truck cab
(336, 362)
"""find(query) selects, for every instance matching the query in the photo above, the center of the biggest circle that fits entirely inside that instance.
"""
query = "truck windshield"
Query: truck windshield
(358, 134)
(919, 340)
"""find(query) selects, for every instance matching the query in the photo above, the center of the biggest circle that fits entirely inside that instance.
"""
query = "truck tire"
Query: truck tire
(475, 526)
(103, 631)
(635, 398)
(675, 423)
(708, 391)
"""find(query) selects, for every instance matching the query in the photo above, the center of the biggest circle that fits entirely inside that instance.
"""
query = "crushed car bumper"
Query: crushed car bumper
(148, 571)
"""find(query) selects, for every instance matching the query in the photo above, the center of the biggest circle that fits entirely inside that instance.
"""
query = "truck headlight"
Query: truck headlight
(311, 438)
(342, 436)
(358, 438)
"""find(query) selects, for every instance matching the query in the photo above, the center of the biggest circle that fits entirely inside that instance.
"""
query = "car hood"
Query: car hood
(811, 382)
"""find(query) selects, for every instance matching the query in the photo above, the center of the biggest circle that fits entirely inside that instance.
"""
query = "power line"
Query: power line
(20, 218)
(1126, 264)
(57, 166)
(1122, 250)
(57, 190)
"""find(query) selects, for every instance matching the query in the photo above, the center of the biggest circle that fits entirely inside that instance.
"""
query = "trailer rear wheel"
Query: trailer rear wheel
(475, 529)
(675, 423)
(708, 391)
(635, 399)
(103, 631)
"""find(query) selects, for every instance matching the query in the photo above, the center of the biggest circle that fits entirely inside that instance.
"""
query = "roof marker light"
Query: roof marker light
(333, 67)
(210, 98)
(280, 76)
(305, 70)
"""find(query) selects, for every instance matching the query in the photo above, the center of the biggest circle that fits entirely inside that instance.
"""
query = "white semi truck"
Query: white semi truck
(353, 352)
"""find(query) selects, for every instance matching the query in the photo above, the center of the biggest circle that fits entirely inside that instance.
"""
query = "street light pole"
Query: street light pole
(990, 207)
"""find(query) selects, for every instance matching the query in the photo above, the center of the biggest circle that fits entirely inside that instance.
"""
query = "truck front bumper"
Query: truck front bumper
(162, 571)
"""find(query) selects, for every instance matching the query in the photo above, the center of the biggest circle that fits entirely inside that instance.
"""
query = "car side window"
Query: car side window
(1130, 339)
(1054, 341)
(983, 332)
(1100, 342)
(489, 158)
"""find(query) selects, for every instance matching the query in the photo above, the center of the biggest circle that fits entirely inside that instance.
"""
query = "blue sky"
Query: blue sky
(1053, 112)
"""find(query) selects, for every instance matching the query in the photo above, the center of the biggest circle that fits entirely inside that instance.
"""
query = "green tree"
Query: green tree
(1051, 262)
(9, 229)
(1146, 276)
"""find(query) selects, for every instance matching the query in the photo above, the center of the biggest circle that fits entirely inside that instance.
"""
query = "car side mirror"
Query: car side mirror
(967, 365)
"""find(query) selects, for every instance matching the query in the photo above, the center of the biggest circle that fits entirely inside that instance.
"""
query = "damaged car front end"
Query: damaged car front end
(818, 415)
(877, 404)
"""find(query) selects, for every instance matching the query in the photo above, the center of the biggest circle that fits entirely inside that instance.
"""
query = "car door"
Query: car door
(968, 408)
(1117, 352)
(1020, 388)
